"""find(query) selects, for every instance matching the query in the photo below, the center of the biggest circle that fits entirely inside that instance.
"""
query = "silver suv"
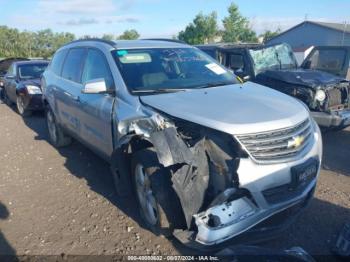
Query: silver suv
(207, 157)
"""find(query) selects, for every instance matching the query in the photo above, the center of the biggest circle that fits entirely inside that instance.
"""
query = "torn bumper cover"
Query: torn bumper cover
(238, 216)
(217, 206)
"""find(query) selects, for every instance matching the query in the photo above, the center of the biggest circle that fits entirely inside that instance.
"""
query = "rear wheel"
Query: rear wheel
(22, 104)
(56, 134)
(159, 207)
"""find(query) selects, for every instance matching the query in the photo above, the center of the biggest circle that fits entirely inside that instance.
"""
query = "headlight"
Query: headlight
(33, 90)
(320, 95)
(1, 83)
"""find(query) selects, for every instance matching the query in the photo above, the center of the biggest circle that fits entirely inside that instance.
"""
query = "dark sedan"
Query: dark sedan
(22, 86)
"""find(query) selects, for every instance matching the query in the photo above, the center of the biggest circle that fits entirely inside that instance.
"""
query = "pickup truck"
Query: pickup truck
(207, 157)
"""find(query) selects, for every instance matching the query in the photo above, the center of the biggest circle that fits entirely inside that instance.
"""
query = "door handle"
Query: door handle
(74, 98)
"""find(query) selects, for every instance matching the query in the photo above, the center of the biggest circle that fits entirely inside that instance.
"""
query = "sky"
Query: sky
(160, 18)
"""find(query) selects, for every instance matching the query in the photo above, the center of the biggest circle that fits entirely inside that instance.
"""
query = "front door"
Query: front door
(95, 110)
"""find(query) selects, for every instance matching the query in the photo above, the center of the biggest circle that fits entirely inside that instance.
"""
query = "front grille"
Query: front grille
(338, 97)
(280, 145)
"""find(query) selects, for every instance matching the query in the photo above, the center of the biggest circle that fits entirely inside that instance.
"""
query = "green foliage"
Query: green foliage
(129, 35)
(203, 29)
(236, 27)
(44, 43)
(267, 35)
(108, 37)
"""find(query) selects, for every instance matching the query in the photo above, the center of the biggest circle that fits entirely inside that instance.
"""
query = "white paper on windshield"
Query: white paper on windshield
(216, 68)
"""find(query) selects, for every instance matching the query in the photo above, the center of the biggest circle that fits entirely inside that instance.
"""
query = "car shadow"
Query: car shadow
(84, 164)
(336, 146)
(314, 230)
(5, 248)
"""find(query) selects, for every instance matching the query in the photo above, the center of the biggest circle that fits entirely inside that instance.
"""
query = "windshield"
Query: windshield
(170, 69)
(273, 58)
(31, 71)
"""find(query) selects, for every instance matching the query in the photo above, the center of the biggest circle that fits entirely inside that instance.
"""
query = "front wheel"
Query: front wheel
(159, 206)
(56, 134)
(22, 104)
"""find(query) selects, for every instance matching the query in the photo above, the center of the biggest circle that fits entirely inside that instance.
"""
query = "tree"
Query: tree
(203, 29)
(44, 43)
(267, 35)
(129, 35)
(108, 37)
(236, 27)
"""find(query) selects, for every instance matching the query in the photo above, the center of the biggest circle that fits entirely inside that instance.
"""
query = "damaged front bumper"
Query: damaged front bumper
(334, 119)
(239, 216)
(270, 193)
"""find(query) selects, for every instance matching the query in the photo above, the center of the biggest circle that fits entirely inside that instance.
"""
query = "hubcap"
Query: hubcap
(145, 195)
(20, 104)
(51, 126)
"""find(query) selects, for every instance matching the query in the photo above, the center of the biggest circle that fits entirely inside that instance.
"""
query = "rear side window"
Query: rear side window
(328, 60)
(57, 61)
(73, 64)
(97, 67)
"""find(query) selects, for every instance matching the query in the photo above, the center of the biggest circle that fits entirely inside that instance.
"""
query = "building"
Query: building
(310, 33)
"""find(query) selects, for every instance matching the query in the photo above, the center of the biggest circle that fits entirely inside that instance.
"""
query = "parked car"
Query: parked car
(207, 157)
(22, 85)
(331, 59)
(4, 65)
(327, 95)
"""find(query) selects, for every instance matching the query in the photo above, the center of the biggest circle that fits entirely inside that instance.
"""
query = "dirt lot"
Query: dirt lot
(54, 202)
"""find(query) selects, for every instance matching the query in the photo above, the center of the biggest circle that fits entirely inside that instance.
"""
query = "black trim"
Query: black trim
(108, 42)
(166, 40)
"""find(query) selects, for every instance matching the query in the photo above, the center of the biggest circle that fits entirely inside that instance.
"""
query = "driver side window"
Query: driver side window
(97, 67)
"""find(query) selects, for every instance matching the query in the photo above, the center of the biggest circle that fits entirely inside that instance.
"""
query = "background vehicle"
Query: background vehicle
(207, 157)
(22, 85)
(331, 59)
(327, 95)
(4, 65)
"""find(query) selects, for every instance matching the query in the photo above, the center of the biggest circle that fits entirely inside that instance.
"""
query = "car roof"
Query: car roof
(127, 44)
(31, 62)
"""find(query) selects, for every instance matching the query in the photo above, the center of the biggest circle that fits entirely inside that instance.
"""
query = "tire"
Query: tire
(21, 105)
(56, 134)
(162, 200)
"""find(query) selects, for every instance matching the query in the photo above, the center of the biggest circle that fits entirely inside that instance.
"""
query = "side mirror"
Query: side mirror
(96, 86)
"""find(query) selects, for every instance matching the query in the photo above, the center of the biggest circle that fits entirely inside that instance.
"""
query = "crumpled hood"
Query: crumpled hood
(234, 109)
(305, 77)
(34, 82)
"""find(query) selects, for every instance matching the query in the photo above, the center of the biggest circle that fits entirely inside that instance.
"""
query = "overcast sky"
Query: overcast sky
(160, 18)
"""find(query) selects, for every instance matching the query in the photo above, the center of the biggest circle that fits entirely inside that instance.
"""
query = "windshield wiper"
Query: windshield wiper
(213, 85)
(155, 91)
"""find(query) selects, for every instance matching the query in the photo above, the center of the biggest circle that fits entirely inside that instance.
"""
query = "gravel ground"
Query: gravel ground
(56, 202)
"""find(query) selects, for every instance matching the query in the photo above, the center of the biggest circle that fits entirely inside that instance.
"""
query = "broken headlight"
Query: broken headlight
(320, 95)
(147, 125)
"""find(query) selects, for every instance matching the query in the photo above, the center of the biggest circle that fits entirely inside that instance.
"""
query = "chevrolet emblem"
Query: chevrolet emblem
(295, 142)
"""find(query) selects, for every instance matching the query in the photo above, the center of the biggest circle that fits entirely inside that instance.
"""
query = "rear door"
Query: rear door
(95, 110)
(334, 60)
(69, 90)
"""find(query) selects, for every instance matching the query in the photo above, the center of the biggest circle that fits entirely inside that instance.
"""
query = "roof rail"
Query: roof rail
(166, 39)
(108, 42)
